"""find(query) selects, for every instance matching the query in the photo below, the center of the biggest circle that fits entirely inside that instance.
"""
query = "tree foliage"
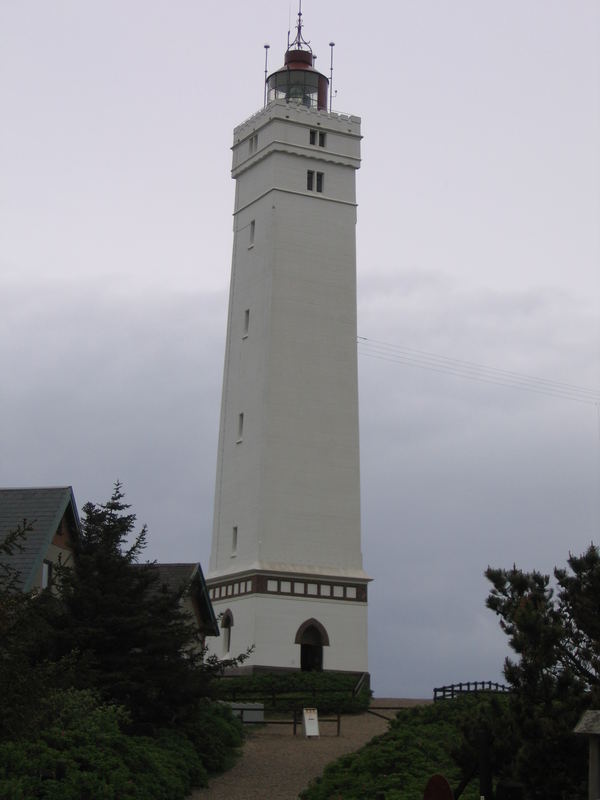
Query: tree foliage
(398, 764)
(107, 646)
(138, 647)
(83, 753)
(26, 677)
(554, 628)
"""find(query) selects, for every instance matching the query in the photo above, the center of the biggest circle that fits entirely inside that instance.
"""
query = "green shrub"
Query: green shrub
(399, 763)
(281, 693)
(85, 755)
(216, 735)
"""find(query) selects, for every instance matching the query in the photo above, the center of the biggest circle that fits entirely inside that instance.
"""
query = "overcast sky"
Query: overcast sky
(478, 240)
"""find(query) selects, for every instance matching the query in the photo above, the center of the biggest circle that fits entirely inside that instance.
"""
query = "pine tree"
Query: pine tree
(136, 645)
(25, 677)
(555, 632)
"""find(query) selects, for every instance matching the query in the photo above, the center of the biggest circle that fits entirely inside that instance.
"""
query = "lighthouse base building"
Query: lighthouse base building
(286, 573)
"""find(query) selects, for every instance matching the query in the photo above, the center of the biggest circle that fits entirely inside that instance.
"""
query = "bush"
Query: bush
(85, 755)
(283, 693)
(216, 735)
(398, 764)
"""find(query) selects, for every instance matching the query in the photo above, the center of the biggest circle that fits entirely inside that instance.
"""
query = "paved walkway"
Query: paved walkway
(275, 765)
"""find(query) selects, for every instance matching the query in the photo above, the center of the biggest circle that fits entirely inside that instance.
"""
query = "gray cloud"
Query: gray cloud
(477, 240)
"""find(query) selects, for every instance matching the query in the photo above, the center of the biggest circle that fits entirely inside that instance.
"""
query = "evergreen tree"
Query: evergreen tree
(136, 645)
(555, 632)
(26, 678)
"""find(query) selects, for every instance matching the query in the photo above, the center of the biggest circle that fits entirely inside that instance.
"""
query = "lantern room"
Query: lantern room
(298, 81)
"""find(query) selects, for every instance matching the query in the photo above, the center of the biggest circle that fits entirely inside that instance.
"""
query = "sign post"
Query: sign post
(311, 722)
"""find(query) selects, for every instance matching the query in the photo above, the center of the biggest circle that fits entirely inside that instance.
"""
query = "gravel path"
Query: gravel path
(275, 765)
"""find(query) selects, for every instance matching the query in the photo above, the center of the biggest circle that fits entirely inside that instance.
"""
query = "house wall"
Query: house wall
(59, 551)
(54, 555)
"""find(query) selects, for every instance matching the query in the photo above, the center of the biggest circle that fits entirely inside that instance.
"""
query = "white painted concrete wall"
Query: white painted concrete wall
(290, 483)
(270, 624)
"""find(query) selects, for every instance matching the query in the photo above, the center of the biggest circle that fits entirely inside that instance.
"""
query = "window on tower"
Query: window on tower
(320, 181)
(252, 232)
(313, 137)
(310, 180)
(253, 143)
(240, 427)
(234, 540)
(226, 626)
(246, 323)
(321, 139)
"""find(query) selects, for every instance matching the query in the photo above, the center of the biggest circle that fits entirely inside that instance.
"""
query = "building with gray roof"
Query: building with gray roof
(52, 525)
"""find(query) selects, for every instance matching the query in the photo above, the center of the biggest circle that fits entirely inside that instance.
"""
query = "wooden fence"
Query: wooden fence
(457, 689)
(295, 721)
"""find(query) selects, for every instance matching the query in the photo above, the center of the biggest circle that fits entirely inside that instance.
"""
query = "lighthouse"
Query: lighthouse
(286, 573)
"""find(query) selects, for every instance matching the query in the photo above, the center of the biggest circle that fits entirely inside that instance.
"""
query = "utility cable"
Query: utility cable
(475, 371)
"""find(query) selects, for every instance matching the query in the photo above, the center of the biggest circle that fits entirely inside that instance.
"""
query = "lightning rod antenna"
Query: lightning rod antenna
(331, 45)
(266, 72)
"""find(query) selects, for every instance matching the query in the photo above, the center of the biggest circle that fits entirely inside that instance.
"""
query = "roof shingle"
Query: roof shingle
(42, 509)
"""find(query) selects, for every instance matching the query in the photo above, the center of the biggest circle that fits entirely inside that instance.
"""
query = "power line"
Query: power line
(472, 370)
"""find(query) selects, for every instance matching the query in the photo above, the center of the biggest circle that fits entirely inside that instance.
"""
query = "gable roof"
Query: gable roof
(43, 509)
(174, 576)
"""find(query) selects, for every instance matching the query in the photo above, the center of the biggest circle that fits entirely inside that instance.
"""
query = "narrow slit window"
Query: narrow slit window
(310, 180)
(313, 137)
(240, 427)
(252, 232)
(226, 626)
(320, 181)
(246, 321)
(321, 139)
(234, 540)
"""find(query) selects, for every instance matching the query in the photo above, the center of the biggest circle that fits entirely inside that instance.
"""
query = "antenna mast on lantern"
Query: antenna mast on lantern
(266, 71)
(331, 45)
(298, 81)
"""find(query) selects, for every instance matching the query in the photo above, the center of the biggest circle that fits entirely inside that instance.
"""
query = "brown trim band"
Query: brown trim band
(287, 585)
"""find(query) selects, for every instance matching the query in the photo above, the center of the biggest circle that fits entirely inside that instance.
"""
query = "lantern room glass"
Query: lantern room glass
(294, 86)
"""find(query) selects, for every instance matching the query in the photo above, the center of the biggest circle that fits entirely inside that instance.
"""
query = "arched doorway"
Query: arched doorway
(311, 637)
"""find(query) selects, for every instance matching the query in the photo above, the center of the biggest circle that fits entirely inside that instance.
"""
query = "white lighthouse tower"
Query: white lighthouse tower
(286, 568)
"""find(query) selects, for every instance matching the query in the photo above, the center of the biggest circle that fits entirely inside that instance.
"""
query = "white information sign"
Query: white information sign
(311, 721)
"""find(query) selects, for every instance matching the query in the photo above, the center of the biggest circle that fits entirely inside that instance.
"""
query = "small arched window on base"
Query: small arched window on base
(226, 626)
(311, 637)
